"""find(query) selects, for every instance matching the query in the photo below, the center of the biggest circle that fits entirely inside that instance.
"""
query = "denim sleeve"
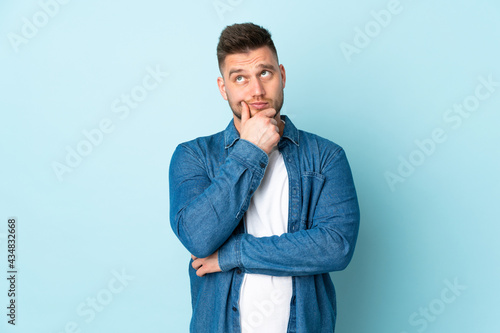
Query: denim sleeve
(327, 246)
(205, 210)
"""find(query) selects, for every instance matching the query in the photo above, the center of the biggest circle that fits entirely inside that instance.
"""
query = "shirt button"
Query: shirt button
(262, 165)
(234, 309)
(238, 271)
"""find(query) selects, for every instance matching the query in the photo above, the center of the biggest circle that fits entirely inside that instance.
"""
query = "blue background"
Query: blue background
(436, 226)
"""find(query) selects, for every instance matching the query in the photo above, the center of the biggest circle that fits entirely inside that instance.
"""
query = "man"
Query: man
(266, 210)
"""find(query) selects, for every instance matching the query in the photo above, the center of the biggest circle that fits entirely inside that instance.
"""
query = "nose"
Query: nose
(257, 88)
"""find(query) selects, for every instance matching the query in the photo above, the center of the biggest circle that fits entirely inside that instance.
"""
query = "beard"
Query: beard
(276, 104)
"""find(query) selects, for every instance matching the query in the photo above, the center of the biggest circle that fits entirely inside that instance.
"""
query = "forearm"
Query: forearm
(314, 251)
(205, 210)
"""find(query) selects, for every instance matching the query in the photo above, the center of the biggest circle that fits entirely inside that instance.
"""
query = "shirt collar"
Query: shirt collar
(290, 132)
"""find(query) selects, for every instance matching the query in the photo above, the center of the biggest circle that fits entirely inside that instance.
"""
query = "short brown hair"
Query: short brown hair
(242, 38)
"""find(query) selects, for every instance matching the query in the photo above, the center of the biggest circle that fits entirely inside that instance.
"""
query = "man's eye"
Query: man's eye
(239, 79)
(265, 73)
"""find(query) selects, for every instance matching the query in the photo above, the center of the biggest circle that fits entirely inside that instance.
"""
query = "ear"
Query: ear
(222, 87)
(283, 75)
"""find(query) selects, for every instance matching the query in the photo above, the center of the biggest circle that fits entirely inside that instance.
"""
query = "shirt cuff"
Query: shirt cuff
(250, 155)
(229, 255)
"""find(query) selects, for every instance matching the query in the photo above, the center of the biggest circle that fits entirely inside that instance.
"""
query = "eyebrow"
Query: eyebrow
(260, 66)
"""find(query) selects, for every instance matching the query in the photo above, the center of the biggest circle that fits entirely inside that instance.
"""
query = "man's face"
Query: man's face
(255, 78)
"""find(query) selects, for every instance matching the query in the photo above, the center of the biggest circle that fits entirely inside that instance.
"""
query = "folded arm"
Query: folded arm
(205, 210)
(327, 246)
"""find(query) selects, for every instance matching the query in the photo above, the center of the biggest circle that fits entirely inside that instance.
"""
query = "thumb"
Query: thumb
(245, 112)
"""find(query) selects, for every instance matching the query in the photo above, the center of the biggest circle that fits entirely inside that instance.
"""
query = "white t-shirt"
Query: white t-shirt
(265, 300)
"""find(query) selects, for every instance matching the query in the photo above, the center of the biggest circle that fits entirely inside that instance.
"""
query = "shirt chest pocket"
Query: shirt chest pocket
(311, 186)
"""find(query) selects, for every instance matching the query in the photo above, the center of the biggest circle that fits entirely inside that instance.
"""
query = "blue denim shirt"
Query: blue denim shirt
(212, 180)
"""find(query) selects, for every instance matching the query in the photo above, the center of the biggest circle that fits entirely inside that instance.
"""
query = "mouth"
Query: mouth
(259, 105)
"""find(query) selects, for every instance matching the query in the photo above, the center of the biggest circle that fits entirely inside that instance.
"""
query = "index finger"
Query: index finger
(270, 113)
(245, 112)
